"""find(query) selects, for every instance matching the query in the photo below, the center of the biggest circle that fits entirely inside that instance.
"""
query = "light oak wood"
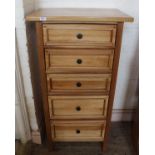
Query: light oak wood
(68, 34)
(78, 60)
(34, 35)
(78, 130)
(78, 107)
(42, 78)
(113, 81)
(78, 57)
(78, 83)
(78, 15)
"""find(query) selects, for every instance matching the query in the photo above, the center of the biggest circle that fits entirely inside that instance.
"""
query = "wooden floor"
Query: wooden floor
(120, 144)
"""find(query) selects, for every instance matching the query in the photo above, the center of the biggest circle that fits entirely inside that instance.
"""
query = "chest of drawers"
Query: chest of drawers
(77, 54)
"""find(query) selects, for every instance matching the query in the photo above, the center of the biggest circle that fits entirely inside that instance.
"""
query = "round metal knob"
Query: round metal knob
(78, 108)
(79, 36)
(77, 131)
(79, 61)
(78, 84)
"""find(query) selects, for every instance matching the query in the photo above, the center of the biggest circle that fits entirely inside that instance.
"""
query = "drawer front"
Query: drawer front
(62, 107)
(78, 60)
(79, 34)
(78, 130)
(78, 83)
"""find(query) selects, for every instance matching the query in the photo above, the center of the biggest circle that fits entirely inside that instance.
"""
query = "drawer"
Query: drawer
(78, 83)
(78, 130)
(79, 34)
(78, 60)
(78, 107)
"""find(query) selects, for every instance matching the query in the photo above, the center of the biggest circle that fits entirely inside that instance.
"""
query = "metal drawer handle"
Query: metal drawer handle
(79, 61)
(78, 108)
(78, 84)
(79, 35)
(78, 131)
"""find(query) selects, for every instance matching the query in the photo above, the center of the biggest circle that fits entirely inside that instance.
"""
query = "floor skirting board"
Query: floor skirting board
(36, 138)
(122, 115)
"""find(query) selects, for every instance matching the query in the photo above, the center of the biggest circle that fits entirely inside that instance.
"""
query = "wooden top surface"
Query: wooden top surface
(79, 15)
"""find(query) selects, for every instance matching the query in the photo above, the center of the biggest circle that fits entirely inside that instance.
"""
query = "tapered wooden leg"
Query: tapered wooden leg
(50, 146)
(104, 146)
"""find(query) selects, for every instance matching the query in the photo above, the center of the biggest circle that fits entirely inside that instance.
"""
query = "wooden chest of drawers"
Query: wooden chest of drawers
(77, 56)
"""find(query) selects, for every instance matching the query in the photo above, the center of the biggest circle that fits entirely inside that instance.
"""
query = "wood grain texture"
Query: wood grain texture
(78, 130)
(78, 83)
(34, 70)
(78, 60)
(113, 81)
(77, 34)
(43, 84)
(78, 107)
(78, 57)
(79, 15)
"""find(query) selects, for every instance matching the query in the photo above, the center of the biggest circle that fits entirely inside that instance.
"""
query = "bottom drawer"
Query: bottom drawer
(78, 130)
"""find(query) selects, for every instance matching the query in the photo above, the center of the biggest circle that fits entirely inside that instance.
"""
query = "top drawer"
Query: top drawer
(79, 34)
